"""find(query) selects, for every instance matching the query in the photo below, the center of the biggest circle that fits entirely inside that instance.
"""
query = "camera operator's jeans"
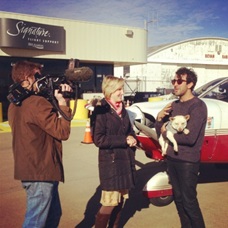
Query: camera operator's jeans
(184, 177)
(43, 204)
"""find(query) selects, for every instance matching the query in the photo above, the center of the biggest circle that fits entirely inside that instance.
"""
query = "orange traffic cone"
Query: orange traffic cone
(87, 137)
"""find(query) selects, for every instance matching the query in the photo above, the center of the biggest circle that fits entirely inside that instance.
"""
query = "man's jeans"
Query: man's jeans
(43, 204)
(184, 177)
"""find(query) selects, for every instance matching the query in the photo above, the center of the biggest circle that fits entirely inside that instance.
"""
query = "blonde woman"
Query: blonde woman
(116, 140)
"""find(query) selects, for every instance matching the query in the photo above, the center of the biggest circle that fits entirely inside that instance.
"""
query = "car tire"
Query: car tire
(161, 201)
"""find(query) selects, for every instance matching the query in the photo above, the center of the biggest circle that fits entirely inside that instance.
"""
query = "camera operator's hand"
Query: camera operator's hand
(59, 94)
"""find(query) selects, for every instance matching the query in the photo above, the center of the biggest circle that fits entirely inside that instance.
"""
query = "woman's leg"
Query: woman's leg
(115, 216)
(103, 215)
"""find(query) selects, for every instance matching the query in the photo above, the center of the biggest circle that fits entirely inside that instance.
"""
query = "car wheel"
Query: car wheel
(161, 201)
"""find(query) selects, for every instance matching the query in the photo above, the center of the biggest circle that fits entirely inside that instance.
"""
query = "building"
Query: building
(207, 56)
(53, 42)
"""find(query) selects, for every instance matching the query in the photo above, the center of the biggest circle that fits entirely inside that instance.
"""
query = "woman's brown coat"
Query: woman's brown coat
(116, 158)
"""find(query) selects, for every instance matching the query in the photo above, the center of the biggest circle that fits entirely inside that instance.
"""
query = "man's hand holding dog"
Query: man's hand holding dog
(163, 128)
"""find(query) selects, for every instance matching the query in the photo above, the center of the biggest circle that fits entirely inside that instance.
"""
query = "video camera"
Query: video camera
(17, 94)
(49, 83)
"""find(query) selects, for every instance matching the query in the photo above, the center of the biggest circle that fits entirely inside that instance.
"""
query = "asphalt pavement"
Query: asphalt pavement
(80, 193)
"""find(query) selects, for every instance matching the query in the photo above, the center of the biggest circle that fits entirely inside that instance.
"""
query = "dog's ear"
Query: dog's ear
(187, 117)
(171, 118)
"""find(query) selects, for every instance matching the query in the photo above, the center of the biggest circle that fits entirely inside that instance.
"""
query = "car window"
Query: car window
(216, 89)
(208, 86)
(220, 92)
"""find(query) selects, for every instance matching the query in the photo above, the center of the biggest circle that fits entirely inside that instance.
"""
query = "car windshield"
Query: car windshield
(208, 86)
(218, 91)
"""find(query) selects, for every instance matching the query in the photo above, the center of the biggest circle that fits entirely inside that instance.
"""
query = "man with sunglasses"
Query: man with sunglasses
(183, 167)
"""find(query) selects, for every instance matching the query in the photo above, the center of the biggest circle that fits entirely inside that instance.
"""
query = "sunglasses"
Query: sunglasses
(179, 81)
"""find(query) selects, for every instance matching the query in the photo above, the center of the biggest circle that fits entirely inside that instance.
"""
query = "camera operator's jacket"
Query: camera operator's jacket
(37, 132)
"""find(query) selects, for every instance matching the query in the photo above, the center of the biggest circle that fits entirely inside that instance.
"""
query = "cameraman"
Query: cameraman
(37, 131)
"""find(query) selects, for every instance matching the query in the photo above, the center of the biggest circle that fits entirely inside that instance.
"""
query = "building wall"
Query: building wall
(89, 41)
(98, 46)
(207, 56)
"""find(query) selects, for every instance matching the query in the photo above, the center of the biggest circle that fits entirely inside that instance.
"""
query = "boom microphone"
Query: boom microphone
(80, 74)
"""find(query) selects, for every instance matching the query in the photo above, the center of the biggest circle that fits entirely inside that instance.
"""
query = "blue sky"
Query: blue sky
(170, 20)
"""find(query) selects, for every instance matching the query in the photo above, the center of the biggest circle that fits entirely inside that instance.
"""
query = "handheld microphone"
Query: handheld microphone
(80, 74)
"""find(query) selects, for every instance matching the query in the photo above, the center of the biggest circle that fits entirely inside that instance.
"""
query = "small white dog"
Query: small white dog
(176, 124)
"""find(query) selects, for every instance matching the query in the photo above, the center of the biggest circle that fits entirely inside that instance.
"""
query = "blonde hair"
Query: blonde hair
(110, 84)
